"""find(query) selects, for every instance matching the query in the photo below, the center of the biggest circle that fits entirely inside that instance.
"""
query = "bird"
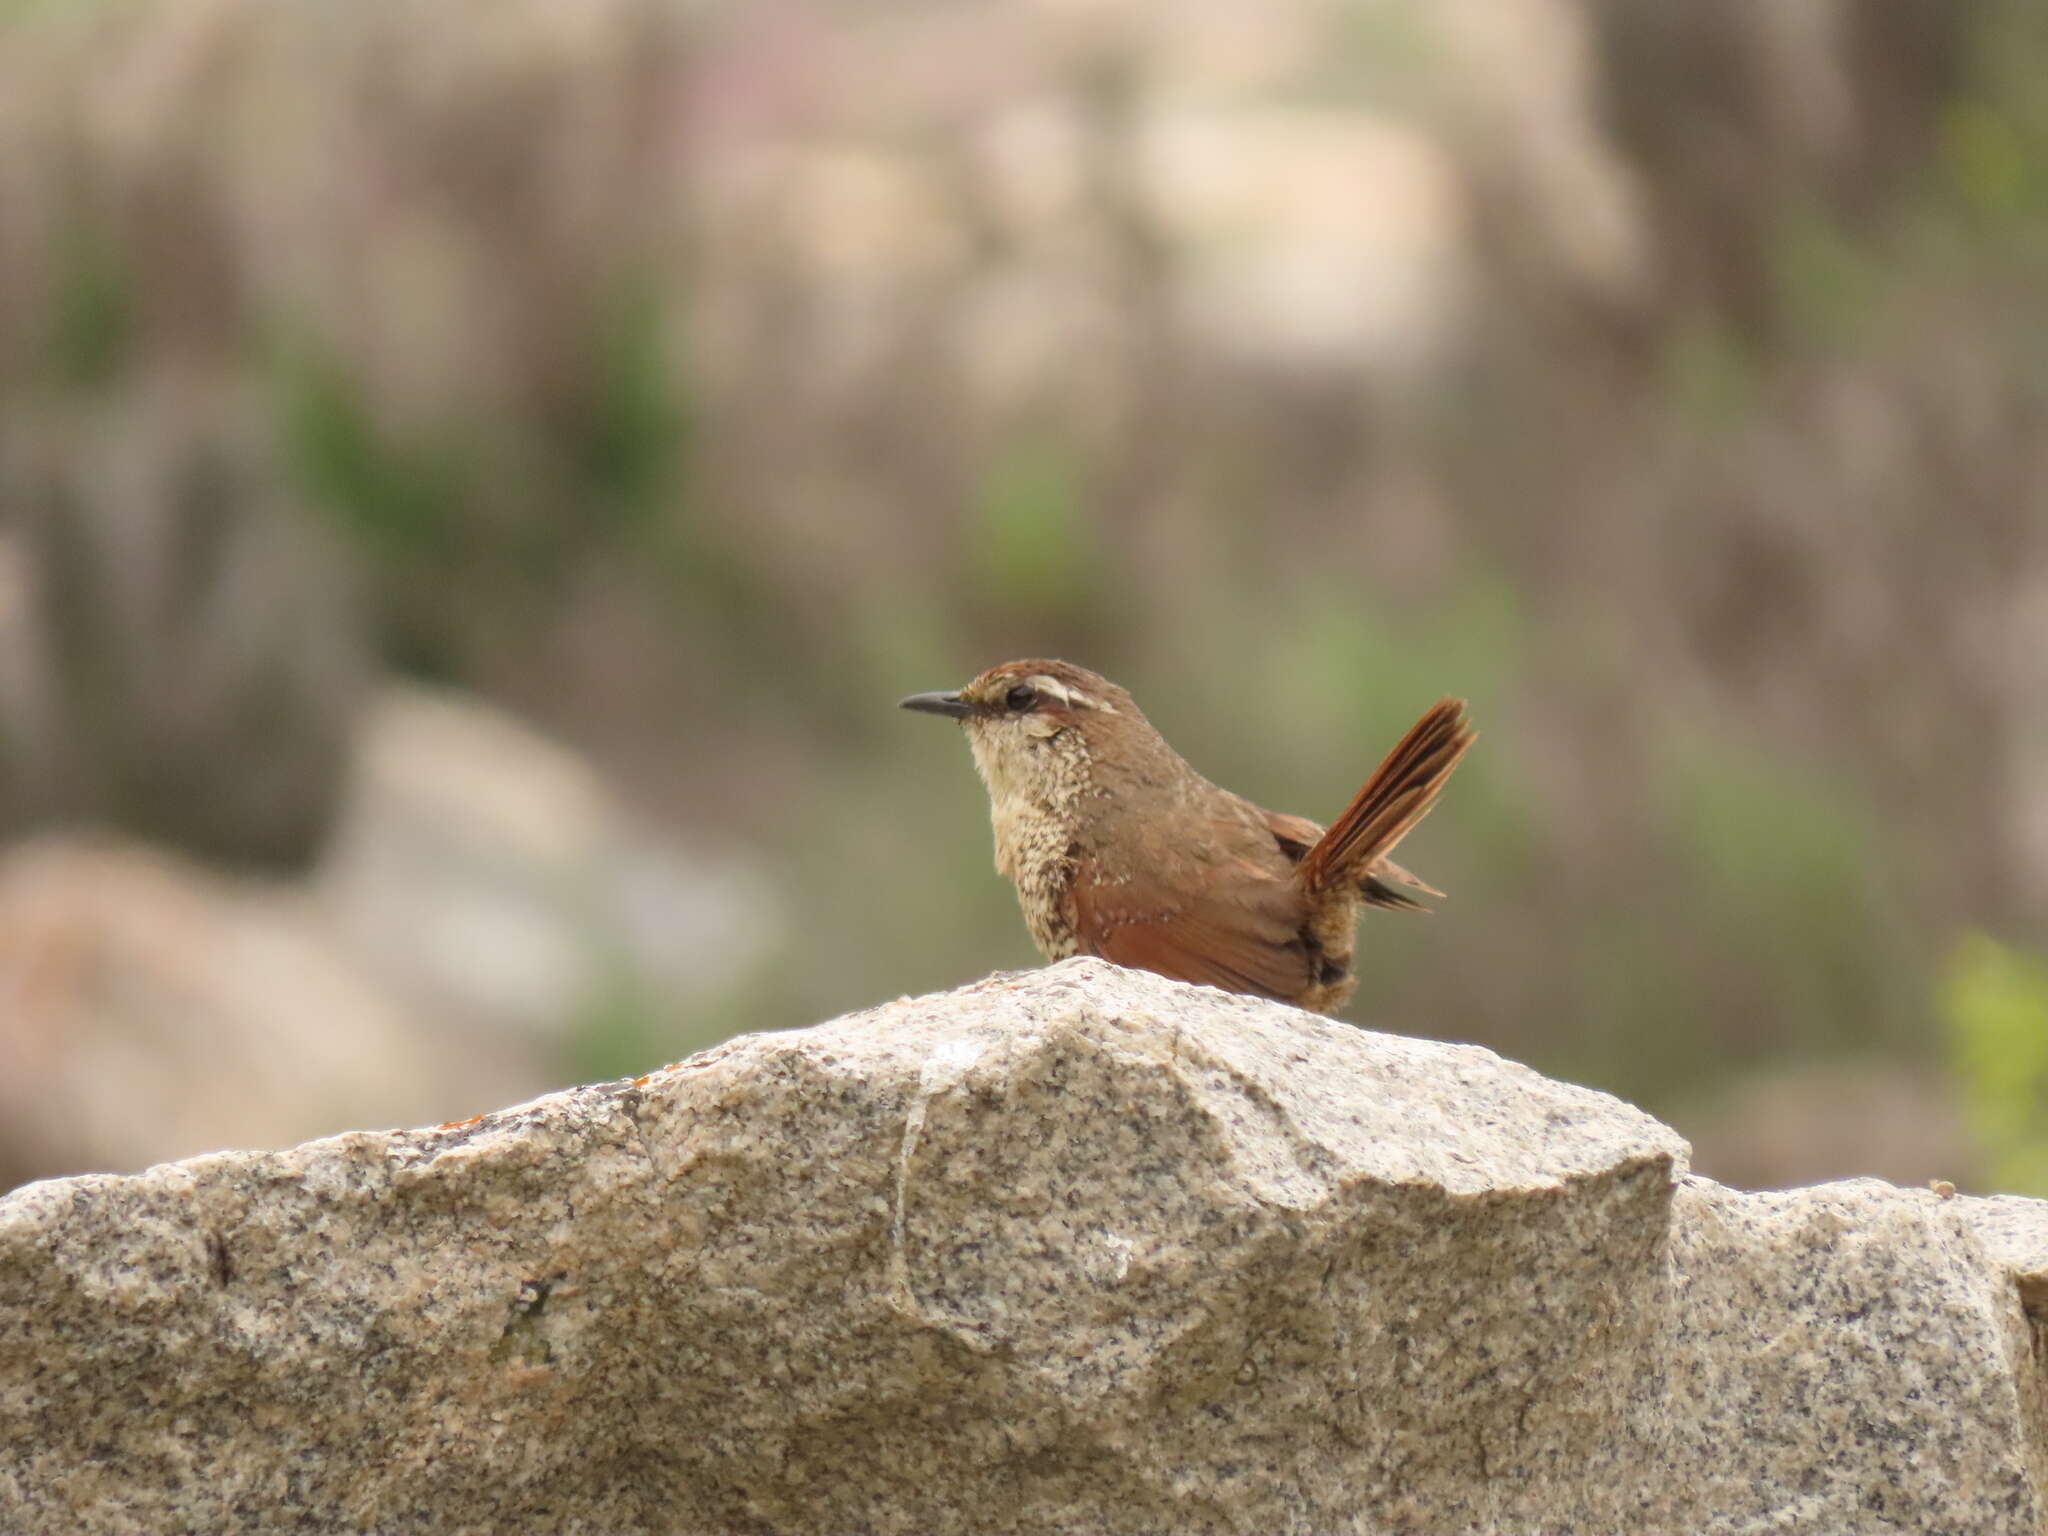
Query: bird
(1119, 848)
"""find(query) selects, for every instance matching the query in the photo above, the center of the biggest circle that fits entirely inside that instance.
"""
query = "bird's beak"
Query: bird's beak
(950, 705)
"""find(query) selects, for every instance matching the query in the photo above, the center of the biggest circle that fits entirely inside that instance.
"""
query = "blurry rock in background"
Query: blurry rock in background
(152, 1009)
(491, 877)
(180, 654)
(487, 925)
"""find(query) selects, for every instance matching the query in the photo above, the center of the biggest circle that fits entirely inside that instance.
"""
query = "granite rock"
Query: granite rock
(1075, 1249)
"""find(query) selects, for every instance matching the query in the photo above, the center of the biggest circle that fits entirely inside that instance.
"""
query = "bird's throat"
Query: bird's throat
(1037, 788)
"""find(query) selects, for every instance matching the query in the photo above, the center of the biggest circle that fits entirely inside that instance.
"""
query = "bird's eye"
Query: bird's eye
(1021, 697)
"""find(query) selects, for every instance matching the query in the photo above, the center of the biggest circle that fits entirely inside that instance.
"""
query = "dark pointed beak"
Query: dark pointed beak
(951, 705)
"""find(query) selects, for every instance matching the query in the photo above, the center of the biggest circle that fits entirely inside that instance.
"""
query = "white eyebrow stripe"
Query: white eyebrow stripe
(1071, 697)
(1054, 688)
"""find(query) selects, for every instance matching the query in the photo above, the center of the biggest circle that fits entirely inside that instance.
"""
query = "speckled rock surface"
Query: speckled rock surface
(1079, 1249)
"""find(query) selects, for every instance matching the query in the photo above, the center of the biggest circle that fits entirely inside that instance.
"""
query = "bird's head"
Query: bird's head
(1029, 721)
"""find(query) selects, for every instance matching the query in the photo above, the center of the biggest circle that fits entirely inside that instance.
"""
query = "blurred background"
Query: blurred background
(476, 478)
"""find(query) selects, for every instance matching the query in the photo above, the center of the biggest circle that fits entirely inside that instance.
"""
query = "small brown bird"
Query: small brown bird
(1118, 848)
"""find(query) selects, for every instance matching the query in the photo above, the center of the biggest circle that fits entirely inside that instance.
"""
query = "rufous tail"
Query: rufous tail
(1397, 796)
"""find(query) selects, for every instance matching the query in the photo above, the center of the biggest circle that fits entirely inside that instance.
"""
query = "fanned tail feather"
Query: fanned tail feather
(1374, 885)
(1385, 810)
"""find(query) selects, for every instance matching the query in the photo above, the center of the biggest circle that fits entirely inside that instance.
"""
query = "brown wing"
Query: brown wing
(1234, 924)
(1295, 834)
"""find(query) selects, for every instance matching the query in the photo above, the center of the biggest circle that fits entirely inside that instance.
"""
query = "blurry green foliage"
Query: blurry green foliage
(1030, 543)
(904, 635)
(1826, 277)
(89, 326)
(1755, 923)
(1994, 1006)
(469, 526)
(1710, 375)
(1349, 666)
(632, 443)
(1351, 660)
(395, 500)
(626, 1028)
(1780, 870)
(1987, 159)
(1994, 137)
(1644, 1027)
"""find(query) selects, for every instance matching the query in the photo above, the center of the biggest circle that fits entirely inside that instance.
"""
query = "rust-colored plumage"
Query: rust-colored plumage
(1118, 848)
